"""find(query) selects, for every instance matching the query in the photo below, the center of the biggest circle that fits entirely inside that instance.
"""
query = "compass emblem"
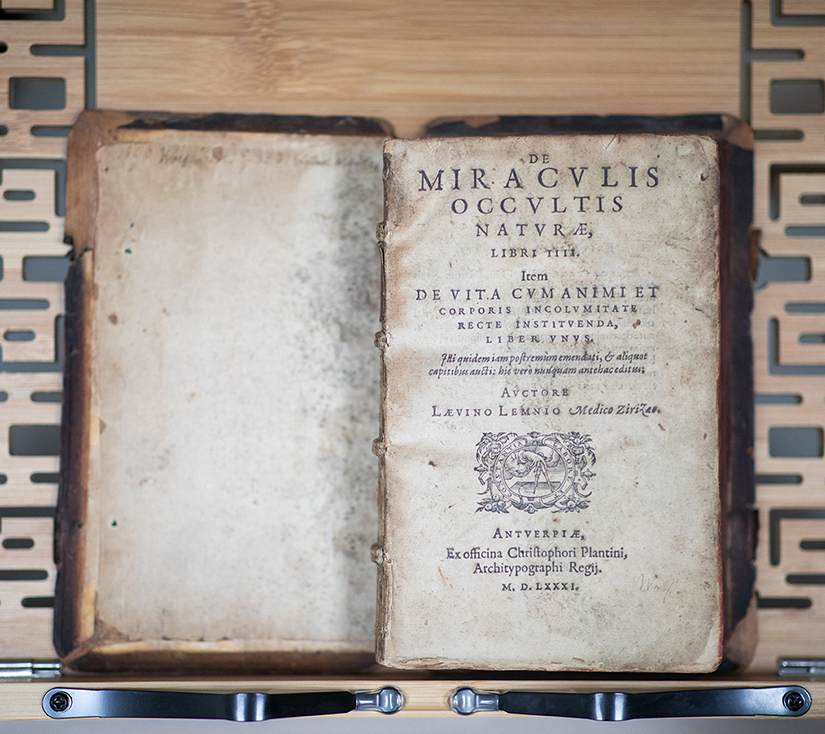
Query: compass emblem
(535, 471)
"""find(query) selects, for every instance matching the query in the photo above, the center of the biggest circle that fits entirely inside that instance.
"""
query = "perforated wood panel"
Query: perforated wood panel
(788, 45)
(43, 66)
(410, 63)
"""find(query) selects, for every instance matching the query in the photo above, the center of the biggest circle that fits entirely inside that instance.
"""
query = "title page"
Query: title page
(550, 410)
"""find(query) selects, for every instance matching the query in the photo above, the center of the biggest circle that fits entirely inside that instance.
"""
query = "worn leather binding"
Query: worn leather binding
(82, 639)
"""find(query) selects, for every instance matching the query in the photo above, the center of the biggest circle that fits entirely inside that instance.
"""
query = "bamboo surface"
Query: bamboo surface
(410, 63)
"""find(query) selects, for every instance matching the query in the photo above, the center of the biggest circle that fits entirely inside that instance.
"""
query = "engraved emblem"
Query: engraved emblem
(534, 472)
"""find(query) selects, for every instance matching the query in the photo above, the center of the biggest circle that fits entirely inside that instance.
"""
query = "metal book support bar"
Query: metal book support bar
(76, 703)
(776, 701)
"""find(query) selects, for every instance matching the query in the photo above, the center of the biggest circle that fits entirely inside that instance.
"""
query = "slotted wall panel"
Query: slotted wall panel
(42, 42)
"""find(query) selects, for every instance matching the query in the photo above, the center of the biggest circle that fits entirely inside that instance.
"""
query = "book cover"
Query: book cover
(217, 494)
(565, 318)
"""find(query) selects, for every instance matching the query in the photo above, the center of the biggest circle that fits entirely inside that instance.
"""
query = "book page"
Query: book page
(550, 416)
(232, 490)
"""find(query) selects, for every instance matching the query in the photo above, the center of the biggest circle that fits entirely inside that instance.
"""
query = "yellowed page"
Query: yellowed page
(232, 486)
(550, 411)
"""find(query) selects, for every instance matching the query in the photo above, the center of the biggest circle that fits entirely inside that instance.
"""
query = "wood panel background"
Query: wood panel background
(412, 62)
(409, 63)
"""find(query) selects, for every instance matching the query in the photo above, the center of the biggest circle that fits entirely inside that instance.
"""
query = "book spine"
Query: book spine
(379, 448)
(71, 603)
(738, 480)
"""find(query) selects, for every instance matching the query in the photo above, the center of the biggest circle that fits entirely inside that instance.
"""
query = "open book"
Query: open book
(565, 400)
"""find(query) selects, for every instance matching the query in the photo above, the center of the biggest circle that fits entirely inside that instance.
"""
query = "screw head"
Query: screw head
(793, 700)
(60, 701)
